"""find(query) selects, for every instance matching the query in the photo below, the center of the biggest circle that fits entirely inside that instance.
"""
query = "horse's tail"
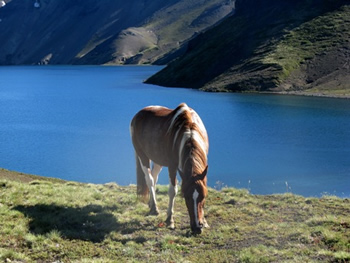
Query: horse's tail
(142, 188)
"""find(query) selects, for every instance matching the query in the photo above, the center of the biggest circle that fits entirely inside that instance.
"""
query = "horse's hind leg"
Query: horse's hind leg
(151, 184)
(152, 201)
(172, 193)
(155, 172)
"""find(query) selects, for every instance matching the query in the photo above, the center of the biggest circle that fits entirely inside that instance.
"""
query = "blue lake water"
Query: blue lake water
(73, 123)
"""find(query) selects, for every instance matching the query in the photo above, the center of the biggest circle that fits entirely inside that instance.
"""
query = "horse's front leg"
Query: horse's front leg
(153, 181)
(172, 193)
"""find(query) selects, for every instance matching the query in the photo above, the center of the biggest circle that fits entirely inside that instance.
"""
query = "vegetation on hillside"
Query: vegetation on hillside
(48, 220)
(280, 46)
(175, 31)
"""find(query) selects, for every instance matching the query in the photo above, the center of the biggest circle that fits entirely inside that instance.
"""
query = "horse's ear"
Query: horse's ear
(204, 174)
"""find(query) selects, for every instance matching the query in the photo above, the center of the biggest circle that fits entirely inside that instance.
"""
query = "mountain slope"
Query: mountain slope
(94, 32)
(269, 46)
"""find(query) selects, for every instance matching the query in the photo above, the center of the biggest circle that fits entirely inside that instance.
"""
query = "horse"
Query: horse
(176, 139)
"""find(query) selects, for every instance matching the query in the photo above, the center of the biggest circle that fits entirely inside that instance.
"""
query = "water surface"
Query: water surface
(73, 123)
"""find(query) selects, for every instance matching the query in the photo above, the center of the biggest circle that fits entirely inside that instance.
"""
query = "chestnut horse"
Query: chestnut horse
(178, 140)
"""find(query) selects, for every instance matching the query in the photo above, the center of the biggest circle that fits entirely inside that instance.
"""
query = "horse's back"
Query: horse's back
(156, 129)
(150, 117)
(148, 132)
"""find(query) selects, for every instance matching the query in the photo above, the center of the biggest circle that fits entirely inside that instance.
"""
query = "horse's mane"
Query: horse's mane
(192, 145)
(181, 120)
(195, 149)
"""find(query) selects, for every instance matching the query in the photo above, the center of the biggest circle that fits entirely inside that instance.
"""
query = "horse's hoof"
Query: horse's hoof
(153, 212)
(170, 223)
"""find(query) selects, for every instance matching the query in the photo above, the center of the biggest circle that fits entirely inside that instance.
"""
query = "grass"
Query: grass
(312, 38)
(172, 32)
(176, 30)
(48, 220)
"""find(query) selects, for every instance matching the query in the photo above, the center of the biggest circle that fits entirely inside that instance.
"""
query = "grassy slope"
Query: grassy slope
(315, 44)
(255, 52)
(175, 25)
(44, 220)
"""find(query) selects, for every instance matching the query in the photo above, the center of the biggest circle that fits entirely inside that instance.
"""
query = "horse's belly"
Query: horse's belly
(161, 158)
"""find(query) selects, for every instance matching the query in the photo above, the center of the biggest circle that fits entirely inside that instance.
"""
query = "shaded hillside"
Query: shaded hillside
(101, 32)
(269, 46)
(161, 35)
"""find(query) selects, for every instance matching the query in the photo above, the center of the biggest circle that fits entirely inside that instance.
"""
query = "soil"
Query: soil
(325, 75)
(22, 177)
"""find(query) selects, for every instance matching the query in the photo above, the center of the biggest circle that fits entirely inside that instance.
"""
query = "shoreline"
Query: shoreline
(319, 94)
(308, 94)
(6, 174)
(26, 178)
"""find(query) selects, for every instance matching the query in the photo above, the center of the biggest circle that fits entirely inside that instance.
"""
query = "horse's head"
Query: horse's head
(195, 192)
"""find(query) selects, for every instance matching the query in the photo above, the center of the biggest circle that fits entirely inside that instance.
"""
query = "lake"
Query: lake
(72, 122)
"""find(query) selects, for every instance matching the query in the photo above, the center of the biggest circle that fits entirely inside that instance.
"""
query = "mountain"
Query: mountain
(269, 45)
(102, 32)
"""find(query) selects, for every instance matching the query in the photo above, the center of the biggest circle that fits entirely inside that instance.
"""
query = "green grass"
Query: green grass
(52, 220)
(312, 38)
(176, 30)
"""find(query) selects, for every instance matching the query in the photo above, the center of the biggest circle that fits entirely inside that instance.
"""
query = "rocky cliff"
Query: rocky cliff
(102, 32)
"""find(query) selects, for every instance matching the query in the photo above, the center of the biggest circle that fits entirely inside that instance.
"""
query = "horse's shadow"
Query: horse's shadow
(90, 223)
